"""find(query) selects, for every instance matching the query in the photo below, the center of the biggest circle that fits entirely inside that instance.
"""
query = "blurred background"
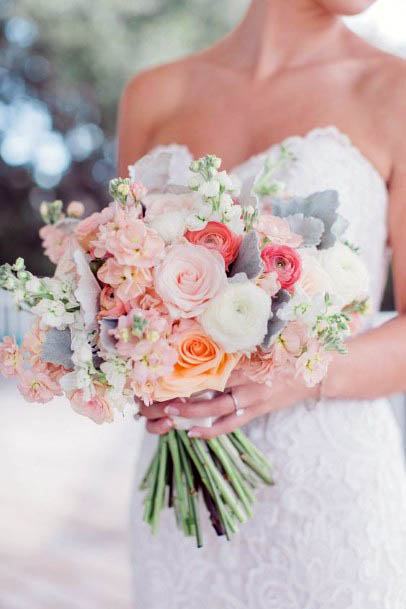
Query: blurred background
(65, 484)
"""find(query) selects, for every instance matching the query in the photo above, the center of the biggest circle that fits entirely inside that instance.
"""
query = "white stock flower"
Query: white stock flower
(226, 203)
(53, 313)
(209, 189)
(347, 272)
(302, 307)
(237, 319)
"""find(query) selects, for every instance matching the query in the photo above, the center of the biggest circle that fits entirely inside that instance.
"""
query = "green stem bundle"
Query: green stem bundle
(225, 470)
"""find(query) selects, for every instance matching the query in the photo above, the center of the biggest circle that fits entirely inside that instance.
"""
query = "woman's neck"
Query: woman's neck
(282, 33)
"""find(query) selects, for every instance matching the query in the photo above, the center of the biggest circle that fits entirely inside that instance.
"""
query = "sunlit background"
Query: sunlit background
(65, 483)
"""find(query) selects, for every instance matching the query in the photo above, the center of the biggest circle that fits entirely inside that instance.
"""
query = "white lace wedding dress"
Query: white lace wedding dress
(331, 534)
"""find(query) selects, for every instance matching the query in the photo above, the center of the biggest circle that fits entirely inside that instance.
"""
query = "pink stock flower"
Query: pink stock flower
(188, 278)
(10, 357)
(86, 230)
(138, 190)
(269, 282)
(277, 230)
(110, 303)
(129, 240)
(152, 360)
(217, 236)
(54, 242)
(97, 408)
(127, 281)
(283, 260)
(259, 367)
(149, 300)
(313, 364)
(37, 386)
(32, 344)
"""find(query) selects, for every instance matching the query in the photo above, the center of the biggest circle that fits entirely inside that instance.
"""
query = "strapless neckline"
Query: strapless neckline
(329, 130)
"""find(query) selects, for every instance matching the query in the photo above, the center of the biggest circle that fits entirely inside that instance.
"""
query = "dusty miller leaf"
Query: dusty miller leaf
(57, 348)
(249, 257)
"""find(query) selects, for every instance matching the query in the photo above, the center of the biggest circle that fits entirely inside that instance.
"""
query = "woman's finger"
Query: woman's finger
(159, 426)
(215, 407)
(237, 378)
(228, 423)
(155, 411)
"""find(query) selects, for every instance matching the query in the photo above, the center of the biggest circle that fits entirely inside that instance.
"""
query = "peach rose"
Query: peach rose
(217, 236)
(201, 365)
(188, 278)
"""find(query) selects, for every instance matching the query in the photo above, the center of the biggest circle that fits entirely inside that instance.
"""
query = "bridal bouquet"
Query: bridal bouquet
(169, 290)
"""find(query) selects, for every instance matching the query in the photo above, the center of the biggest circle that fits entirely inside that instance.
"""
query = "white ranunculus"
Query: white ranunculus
(170, 226)
(237, 319)
(347, 272)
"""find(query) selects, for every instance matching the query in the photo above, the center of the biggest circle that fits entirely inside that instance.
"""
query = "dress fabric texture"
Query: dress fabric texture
(331, 533)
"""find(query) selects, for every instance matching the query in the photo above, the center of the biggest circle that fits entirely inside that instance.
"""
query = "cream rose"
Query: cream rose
(189, 277)
(237, 319)
(347, 272)
(314, 279)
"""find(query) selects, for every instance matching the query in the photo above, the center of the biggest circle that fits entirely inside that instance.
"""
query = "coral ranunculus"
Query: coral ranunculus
(202, 364)
(284, 261)
(217, 236)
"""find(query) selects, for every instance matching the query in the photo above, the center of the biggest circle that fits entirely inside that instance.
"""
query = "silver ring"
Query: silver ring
(237, 407)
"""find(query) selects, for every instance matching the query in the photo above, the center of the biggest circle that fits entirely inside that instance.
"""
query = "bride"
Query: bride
(331, 534)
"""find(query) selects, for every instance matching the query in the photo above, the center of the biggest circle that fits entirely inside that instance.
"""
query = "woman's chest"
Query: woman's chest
(237, 122)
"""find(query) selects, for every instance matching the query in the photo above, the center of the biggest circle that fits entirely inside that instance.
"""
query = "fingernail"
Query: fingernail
(171, 410)
(193, 433)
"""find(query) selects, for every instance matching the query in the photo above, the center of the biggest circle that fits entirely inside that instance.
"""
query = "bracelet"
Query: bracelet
(312, 403)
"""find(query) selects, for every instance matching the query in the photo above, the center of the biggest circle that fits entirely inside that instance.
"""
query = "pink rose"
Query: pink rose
(283, 260)
(188, 278)
(277, 230)
(217, 236)
(10, 357)
(37, 386)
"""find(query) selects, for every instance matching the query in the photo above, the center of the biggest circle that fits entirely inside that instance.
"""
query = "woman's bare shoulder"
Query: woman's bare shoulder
(162, 89)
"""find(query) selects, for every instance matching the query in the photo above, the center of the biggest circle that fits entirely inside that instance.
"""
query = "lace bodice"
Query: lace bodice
(331, 533)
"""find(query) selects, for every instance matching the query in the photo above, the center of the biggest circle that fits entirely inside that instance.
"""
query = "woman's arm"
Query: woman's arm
(376, 362)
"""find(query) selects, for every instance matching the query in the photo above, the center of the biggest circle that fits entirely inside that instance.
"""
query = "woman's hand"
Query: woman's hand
(253, 399)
